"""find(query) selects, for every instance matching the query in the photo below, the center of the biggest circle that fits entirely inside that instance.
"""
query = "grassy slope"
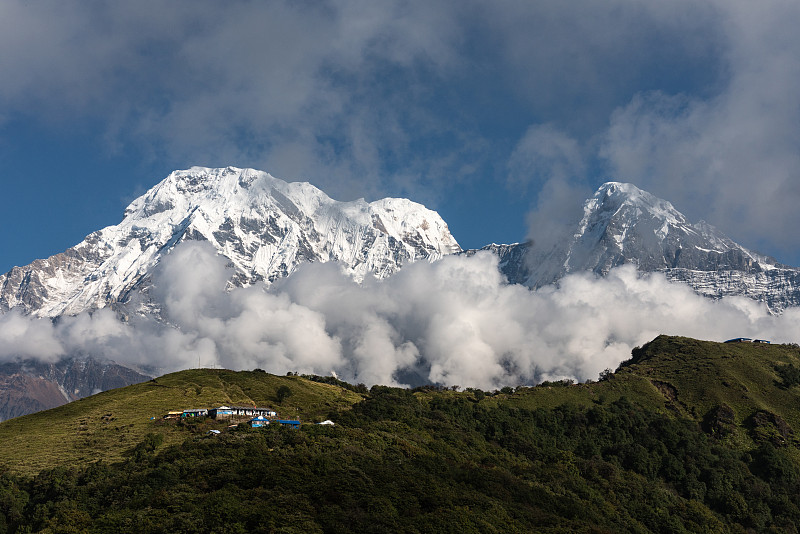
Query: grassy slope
(689, 378)
(106, 425)
(680, 376)
(704, 375)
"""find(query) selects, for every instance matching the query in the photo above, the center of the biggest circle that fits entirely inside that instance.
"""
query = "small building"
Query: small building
(222, 412)
(174, 415)
(265, 412)
(252, 411)
(766, 342)
(258, 422)
(327, 422)
(195, 412)
(230, 412)
(213, 432)
(240, 411)
(740, 340)
(293, 423)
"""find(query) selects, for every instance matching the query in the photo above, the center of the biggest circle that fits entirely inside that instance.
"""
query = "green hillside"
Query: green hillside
(679, 376)
(106, 425)
(695, 379)
(687, 436)
(698, 378)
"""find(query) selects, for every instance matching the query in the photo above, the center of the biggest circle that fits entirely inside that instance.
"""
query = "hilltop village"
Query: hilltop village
(253, 416)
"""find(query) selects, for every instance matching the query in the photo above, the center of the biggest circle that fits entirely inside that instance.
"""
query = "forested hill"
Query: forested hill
(687, 436)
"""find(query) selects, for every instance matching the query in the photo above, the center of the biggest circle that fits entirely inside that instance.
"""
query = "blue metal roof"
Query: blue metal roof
(289, 422)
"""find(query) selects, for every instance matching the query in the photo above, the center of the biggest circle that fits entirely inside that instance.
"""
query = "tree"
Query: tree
(283, 393)
(789, 374)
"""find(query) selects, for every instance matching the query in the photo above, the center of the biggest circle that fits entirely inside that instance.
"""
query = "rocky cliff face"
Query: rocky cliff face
(266, 227)
(512, 260)
(30, 386)
(779, 288)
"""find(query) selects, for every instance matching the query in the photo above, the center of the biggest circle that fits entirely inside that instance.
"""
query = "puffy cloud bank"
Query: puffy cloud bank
(453, 322)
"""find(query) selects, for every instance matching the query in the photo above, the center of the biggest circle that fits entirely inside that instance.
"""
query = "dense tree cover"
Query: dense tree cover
(283, 393)
(789, 375)
(405, 462)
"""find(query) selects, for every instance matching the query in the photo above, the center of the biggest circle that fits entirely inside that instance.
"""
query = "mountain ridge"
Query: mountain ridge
(266, 227)
(263, 225)
(744, 376)
(624, 224)
(28, 386)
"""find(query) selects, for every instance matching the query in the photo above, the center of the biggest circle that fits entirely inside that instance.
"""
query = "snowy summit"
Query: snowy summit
(622, 224)
(266, 227)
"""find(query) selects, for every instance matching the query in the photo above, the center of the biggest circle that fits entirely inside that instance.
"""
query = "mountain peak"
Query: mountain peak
(624, 224)
(619, 187)
(264, 226)
(613, 196)
(619, 216)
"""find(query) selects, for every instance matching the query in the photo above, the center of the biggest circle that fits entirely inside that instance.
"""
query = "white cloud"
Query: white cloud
(557, 163)
(302, 89)
(31, 338)
(455, 321)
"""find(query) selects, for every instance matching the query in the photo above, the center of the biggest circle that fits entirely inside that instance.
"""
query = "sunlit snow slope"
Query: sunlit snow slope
(266, 227)
(623, 224)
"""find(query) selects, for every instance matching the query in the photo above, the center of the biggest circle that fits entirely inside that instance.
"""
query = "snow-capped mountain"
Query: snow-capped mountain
(623, 224)
(266, 227)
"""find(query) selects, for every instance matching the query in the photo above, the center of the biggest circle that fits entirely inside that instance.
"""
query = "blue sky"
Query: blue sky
(495, 114)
